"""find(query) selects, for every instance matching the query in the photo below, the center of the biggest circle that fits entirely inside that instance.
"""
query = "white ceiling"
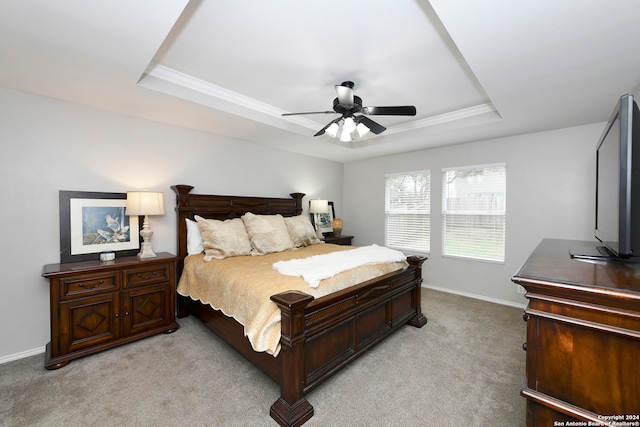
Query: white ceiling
(474, 70)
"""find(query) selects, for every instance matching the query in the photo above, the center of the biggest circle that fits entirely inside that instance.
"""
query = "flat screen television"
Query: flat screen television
(617, 223)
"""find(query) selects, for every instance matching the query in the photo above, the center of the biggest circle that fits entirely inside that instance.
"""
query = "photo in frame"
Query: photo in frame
(92, 222)
(324, 220)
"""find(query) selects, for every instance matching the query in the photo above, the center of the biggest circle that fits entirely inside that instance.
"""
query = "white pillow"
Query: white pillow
(222, 239)
(301, 231)
(194, 238)
(268, 233)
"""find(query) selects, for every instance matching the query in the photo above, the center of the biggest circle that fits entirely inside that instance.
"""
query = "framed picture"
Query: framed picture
(91, 223)
(323, 220)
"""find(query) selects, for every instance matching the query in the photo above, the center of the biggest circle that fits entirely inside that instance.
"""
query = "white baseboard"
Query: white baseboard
(21, 355)
(480, 297)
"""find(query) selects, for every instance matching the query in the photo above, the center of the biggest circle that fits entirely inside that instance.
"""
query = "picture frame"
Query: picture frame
(94, 222)
(324, 220)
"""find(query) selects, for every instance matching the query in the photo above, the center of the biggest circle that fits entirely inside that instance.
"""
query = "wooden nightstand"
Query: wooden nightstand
(342, 240)
(99, 305)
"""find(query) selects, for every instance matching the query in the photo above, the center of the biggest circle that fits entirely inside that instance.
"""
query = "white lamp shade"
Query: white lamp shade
(319, 206)
(145, 203)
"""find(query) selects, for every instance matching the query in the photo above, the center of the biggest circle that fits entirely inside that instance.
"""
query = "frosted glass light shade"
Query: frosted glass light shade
(144, 203)
(362, 129)
(349, 125)
(345, 137)
(332, 130)
(347, 129)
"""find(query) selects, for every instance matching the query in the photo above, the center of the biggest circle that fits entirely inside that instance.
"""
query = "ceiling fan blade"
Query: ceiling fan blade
(321, 131)
(373, 126)
(310, 112)
(405, 110)
(345, 93)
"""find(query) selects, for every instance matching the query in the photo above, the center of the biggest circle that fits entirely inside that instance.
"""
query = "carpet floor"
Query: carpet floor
(464, 368)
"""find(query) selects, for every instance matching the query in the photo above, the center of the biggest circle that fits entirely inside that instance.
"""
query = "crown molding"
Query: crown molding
(215, 94)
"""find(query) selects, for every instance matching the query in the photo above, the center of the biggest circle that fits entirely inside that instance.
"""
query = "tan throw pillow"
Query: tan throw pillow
(301, 231)
(222, 239)
(268, 233)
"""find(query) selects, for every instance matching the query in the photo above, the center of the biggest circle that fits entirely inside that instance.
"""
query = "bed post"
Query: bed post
(182, 193)
(298, 198)
(419, 320)
(291, 408)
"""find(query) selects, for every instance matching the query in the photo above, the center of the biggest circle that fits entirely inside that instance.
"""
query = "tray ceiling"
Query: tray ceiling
(474, 70)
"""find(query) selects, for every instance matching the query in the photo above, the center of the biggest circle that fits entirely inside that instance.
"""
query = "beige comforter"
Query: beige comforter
(241, 286)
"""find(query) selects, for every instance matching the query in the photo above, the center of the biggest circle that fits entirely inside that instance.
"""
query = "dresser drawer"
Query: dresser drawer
(86, 285)
(147, 275)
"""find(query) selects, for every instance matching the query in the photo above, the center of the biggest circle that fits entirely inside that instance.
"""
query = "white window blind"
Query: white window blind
(408, 211)
(474, 212)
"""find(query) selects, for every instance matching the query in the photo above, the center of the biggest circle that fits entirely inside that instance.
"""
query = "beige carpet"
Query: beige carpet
(464, 368)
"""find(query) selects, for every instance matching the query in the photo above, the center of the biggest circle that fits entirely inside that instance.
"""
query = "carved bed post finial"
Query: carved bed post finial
(181, 192)
(298, 198)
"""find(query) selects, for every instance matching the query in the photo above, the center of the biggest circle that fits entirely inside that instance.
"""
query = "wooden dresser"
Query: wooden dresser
(583, 338)
(99, 305)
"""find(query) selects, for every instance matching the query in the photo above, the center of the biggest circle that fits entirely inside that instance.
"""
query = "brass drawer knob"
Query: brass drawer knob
(154, 273)
(90, 286)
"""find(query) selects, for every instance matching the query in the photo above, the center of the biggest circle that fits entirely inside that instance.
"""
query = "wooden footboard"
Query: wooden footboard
(318, 336)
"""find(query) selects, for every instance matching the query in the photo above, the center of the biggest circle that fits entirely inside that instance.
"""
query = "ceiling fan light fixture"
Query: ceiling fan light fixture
(332, 130)
(345, 136)
(362, 129)
(349, 125)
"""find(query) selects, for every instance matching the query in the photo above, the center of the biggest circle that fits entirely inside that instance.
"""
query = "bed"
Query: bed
(318, 336)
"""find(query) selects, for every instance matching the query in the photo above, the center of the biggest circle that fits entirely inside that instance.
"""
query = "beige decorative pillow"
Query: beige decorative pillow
(268, 233)
(301, 231)
(222, 239)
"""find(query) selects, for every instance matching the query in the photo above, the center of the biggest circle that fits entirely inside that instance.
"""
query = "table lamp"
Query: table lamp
(145, 203)
(317, 207)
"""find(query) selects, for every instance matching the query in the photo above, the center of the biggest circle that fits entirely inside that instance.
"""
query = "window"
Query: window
(407, 209)
(474, 212)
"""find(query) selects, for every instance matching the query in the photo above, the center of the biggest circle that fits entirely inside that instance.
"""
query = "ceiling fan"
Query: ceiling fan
(349, 123)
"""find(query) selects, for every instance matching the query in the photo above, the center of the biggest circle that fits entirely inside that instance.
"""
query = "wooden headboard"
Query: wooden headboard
(225, 207)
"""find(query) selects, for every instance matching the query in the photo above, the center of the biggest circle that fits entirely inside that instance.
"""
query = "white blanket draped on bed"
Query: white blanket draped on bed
(319, 267)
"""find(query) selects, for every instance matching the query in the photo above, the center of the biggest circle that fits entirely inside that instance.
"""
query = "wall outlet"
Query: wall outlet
(521, 290)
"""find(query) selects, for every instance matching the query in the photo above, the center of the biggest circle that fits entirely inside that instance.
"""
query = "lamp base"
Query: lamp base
(146, 251)
(145, 247)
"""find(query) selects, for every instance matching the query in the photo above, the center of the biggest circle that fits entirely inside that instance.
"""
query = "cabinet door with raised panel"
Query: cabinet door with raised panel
(145, 308)
(87, 322)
